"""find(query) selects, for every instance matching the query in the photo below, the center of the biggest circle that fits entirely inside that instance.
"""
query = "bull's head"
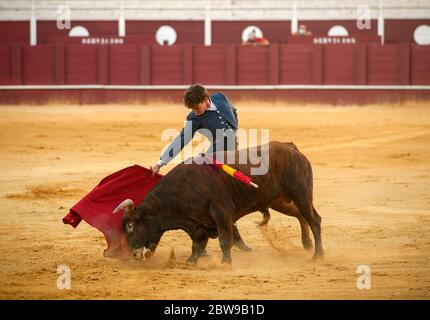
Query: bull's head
(141, 230)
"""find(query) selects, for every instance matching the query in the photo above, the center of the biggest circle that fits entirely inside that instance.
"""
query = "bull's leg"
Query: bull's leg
(200, 240)
(238, 241)
(318, 245)
(308, 211)
(204, 253)
(224, 223)
(226, 242)
(288, 208)
(306, 239)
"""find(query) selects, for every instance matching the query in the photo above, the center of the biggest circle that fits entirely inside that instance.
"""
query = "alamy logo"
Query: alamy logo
(223, 140)
(64, 17)
(364, 278)
(363, 17)
(63, 277)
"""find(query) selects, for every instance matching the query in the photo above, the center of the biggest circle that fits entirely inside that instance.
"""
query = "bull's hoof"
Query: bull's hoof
(318, 257)
(309, 246)
(192, 260)
(204, 253)
(243, 247)
(226, 261)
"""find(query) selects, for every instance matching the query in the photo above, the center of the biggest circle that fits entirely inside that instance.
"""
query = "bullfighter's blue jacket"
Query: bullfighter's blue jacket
(220, 124)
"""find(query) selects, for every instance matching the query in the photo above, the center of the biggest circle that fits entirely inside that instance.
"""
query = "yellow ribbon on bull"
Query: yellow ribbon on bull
(228, 169)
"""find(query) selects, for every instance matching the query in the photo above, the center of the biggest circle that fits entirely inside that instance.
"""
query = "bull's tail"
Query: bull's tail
(266, 217)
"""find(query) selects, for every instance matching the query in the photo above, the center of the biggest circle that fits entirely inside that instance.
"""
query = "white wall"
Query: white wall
(220, 9)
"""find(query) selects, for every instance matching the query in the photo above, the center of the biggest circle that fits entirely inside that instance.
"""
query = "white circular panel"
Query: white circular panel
(165, 35)
(338, 31)
(79, 31)
(422, 34)
(248, 30)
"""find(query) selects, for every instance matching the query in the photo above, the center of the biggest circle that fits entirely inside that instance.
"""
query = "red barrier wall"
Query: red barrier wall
(15, 32)
(339, 65)
(38, 65)
(211, 64)
(420, 66)
(82, 64)
(359, 64)
(5, 65)
(295, 64)
(252, 65)
(167, 65)
(398, 30)
(124, 62)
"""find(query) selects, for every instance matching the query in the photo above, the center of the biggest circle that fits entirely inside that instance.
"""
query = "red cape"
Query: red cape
(96, 207)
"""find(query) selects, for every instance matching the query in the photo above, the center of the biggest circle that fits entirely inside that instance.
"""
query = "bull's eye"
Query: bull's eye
(130, 227)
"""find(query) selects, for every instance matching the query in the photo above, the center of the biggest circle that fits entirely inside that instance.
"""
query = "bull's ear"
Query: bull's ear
(127, 205)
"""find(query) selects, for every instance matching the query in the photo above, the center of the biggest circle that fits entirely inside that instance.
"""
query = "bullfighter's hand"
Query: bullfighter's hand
(155, 170)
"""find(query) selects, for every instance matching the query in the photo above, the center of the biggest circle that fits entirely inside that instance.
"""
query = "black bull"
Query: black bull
(205, 202)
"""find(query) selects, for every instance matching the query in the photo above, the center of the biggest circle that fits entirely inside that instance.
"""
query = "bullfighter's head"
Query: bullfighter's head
(140, 228)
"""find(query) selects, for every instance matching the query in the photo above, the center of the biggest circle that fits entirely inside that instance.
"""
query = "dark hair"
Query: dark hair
(195, 95)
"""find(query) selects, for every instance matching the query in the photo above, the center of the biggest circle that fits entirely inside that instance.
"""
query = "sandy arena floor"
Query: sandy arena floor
(372, 188)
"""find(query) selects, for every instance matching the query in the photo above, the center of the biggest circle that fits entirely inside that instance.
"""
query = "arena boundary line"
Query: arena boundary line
(87, 94)
(220, 87)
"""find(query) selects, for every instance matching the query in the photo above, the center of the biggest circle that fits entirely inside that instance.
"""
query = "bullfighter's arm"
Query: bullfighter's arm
(179, 142)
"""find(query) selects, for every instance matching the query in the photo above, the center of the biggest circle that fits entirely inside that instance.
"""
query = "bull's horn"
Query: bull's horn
(124, 204)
